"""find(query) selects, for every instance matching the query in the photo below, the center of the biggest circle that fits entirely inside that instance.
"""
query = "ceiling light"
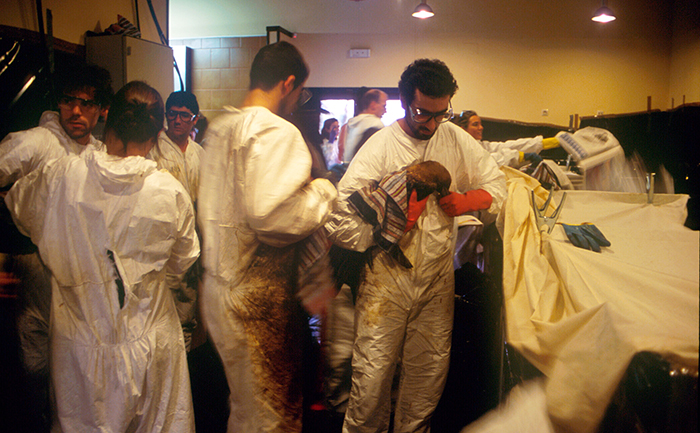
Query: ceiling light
(603, 14)
(423, 11)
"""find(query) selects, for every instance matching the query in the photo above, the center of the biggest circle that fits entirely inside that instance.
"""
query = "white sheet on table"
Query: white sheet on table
(580, 316)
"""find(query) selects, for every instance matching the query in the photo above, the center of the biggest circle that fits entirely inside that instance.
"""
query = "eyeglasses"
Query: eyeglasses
(305, 96)
(422, 116)
(70, 102)
(184, 115)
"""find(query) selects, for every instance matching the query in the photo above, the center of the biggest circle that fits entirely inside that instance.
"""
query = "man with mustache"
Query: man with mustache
(404, 312)
(84, 95)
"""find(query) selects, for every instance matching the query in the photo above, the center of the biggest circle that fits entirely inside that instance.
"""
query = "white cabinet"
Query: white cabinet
(128, 59)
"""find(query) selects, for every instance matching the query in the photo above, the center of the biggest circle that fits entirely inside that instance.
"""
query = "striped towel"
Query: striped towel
(384, 205)
(123, 27)
(315, 284)
(129, 29)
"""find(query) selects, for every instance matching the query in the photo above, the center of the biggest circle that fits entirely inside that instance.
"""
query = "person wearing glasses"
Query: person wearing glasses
(181, 156)
(513, 153)
(176, 151)
(115, 233)
(258, 206)
(406, 313)
(84, 95)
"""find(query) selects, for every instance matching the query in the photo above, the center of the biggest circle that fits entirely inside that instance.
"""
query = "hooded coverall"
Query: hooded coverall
(406, 314)
(256, 201)
(115, 233)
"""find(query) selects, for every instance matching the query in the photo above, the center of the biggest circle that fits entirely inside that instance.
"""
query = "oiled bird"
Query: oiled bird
(428, 177)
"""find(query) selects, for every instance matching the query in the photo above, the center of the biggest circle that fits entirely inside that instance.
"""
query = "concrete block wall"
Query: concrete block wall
(220, 70)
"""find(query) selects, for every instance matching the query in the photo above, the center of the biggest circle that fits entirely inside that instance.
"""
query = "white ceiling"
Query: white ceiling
(482, 18)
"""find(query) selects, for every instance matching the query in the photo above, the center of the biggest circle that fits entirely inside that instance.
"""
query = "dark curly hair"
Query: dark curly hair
(432, 77)
(75, 77)
(137, 113)
(182, 99)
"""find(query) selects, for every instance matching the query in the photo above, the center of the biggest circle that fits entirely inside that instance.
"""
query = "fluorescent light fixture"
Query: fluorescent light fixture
(603, 14)
(423, 11)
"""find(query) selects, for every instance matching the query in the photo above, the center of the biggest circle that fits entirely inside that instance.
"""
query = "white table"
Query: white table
(580, 316)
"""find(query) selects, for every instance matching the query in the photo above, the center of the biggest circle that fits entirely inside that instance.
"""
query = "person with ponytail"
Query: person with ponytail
(115, 234)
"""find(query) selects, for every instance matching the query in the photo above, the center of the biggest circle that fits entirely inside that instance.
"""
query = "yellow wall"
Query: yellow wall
(513, 79)
(685, 53)
(515, 75)
(72, 18)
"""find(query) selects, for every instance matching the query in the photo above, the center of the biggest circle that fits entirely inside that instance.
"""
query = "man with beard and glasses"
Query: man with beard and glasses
(404, 310)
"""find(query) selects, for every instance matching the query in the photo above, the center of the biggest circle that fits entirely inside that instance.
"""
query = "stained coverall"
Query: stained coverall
(115, 234)
(256, 202)
(406, 314)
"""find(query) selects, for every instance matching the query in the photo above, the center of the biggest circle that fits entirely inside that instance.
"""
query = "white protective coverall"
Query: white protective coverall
(184, 166)
(355, 129)
(508, 152)
(24, 151)
(21, 153)
(115, 233)
(256, 201)
(406, 314)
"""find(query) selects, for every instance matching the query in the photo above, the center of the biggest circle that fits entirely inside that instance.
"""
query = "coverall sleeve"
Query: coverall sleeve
(283, 205)
(21, 153)
(508, 152)
(347, 229)
(186, 248)
(480, 171)
(27, 201)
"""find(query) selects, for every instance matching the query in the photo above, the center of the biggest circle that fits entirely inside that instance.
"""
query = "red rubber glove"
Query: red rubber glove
(456, 204)
(415, 208)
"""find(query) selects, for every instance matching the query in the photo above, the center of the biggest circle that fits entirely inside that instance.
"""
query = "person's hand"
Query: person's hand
(456, 204)
(533, 158)
(415, 208)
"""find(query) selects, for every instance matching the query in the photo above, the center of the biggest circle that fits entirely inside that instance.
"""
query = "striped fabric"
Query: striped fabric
(384, 206)
(129, 29)
(315, 284)
(314, 246)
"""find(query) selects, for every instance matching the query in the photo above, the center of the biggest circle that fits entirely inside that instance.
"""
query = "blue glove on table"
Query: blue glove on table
(586, 236)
